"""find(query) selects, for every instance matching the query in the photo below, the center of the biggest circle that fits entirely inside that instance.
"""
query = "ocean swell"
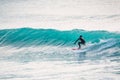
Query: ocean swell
(26, 44)
(28, 36)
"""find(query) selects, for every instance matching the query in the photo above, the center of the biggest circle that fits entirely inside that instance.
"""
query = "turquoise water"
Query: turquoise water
(28, 36)
(46, 54)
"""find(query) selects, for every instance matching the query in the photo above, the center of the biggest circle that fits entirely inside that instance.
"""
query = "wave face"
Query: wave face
(26, 44)
(28, 36)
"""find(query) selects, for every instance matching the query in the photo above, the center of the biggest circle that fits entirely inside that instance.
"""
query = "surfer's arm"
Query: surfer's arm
(76, 41)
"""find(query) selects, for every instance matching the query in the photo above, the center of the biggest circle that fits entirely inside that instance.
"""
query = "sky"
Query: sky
(61, 14)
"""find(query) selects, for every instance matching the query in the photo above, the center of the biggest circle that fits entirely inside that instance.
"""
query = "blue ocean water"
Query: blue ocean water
(46, 54)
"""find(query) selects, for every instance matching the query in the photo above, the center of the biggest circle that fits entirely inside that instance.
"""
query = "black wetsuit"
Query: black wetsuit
(81, 41)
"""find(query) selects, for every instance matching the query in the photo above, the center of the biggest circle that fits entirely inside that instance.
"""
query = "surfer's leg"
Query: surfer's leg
(79, 44)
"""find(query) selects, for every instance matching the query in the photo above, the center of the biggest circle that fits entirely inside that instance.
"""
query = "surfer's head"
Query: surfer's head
(80, 36)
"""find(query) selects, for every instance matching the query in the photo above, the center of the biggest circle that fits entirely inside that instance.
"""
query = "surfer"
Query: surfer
(81, 41)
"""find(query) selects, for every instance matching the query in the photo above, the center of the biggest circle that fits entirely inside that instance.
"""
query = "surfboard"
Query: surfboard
(75, 49)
